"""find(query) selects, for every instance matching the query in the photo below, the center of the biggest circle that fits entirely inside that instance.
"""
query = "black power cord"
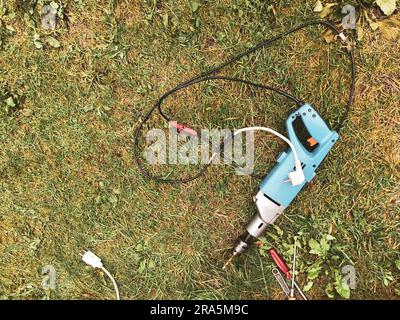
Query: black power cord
(208, 76)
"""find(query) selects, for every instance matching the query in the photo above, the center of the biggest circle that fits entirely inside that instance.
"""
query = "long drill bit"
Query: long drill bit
(293, 270)
(228, 262)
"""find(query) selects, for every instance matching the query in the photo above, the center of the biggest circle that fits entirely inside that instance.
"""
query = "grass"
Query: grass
(68, 180)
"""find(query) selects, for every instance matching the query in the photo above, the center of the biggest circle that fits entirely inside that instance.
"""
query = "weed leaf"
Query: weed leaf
(313, 272)
(318, 6)
(308, 286)
(53, 42)
(387, 6)
(341, 286)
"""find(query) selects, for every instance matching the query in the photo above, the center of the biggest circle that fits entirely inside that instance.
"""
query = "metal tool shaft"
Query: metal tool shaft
(300, 291)
(281, 280)
(293, 269)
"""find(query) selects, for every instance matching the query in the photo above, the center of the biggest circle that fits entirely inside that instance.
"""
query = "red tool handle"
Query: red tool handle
(280, 263)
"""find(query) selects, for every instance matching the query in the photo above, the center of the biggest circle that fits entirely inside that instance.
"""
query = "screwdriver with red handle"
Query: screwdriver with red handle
(282, 266)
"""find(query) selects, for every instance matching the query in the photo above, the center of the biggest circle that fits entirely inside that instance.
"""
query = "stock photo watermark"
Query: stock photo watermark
(49, 17)
(349, 276)
(349, 20)
(204, 148)
(49, 277)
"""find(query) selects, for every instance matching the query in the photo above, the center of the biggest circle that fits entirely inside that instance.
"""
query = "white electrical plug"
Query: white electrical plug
(92, 260)
(297, 177)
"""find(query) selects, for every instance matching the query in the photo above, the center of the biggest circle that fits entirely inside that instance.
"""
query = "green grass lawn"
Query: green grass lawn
(68, 181)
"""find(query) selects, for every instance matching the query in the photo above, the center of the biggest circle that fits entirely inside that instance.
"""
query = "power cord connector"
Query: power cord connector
(345, 40)
(342, 37)
(94, 261)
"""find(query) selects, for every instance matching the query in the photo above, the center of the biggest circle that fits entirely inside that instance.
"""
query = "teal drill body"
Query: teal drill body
(322, 138)
(312, 140)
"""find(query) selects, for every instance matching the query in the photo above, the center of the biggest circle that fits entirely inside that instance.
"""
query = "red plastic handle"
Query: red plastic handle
(280, 263)
(180, 128)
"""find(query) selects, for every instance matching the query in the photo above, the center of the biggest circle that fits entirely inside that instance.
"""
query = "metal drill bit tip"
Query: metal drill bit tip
(229, 261)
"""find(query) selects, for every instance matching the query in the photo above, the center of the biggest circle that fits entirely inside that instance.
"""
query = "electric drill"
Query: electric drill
(312, 140)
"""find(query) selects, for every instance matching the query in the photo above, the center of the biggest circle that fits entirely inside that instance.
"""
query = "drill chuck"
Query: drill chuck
(268, 211)
(243, 243)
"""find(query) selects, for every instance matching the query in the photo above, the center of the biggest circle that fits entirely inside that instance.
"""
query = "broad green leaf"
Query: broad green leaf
(308, 286)
(327, 10)
(329, 290)
(54, 5)
(341, 286)
(10, 102)
(388, 278)
(387, 6)
(195, 6)
(343, 290)
(325, 246)
(53, 42)
(315, 247)
(318, 6)
(142, 266)
(151, 264)
(374, 25)
(37, 42)
(398, 264)
(313, 272)
(330, 237)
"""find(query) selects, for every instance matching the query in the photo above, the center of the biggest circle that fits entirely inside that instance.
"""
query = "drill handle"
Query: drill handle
(315, 126)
